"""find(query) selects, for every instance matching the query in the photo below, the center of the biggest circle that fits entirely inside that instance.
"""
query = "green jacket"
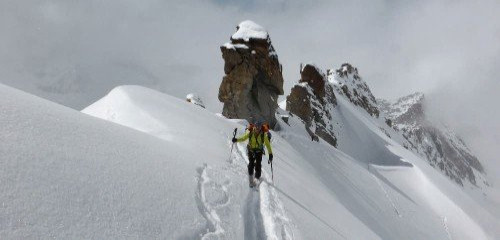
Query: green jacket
(255, 141)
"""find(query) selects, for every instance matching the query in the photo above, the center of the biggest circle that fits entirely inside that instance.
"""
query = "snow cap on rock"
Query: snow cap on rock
(247, 30)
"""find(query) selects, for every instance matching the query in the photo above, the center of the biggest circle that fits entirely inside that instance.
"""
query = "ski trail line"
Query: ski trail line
(252, 219)
(309, 211)
(386, 194)
(445, 226)
(213, 220)
(264, 215)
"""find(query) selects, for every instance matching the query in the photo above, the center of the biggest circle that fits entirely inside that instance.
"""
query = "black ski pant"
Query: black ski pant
(255, 161)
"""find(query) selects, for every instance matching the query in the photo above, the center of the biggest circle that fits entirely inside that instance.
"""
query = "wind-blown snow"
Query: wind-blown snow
(69, 175)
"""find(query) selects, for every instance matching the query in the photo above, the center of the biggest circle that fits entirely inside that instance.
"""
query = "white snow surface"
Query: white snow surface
(165, 172)
(248, 29)
(282, 104)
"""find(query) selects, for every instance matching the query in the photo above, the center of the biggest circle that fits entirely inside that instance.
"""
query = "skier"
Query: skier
(258, 136)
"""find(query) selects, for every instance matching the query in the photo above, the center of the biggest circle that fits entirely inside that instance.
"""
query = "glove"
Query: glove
(234, 140)
(270, 158)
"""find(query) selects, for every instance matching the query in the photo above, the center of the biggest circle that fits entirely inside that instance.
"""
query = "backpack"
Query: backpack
(264, 129)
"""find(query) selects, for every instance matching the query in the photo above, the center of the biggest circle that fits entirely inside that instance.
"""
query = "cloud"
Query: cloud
(73, 52)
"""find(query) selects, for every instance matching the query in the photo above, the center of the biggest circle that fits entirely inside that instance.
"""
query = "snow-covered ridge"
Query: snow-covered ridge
(175, 178)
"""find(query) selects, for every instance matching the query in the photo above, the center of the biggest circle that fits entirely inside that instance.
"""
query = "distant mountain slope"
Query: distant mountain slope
(436, 142)
(403, 120)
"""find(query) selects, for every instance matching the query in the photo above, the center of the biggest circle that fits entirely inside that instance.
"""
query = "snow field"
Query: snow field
(67, 175)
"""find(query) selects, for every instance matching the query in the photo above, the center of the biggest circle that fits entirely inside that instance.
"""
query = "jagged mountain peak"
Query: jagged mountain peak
(349, 83)
(347, 70)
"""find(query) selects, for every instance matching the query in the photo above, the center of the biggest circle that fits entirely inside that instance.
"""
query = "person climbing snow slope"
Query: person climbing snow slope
(258, 137)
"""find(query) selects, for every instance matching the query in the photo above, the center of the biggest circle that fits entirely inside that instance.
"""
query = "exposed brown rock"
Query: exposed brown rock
(315, 78)
(253, 79)
(313, 100)
(298, 103)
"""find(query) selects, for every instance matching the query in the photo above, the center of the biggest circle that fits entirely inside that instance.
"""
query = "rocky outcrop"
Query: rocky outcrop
(437, 143)
(347, 82)
(253, 79)
(313, 100)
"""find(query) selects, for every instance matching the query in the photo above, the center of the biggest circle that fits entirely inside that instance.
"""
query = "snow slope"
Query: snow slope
(345, 185)
(68, 175)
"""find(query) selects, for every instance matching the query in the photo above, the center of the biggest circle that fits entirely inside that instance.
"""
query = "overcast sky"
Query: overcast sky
(73, 52)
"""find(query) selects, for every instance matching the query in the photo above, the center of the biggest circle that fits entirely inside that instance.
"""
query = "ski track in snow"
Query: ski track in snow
(264, 215)
(445, 226)
(206, 208)
(385, 192)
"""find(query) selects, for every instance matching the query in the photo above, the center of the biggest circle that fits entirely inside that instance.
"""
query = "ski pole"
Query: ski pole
(272, 173)
(232, 146)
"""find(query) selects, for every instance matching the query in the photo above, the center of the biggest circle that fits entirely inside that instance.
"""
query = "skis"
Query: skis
(251, 181)
(254, 183)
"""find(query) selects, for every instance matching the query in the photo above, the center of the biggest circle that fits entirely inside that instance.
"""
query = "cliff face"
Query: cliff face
(437, 143)
(253, 79)
(313, 100)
